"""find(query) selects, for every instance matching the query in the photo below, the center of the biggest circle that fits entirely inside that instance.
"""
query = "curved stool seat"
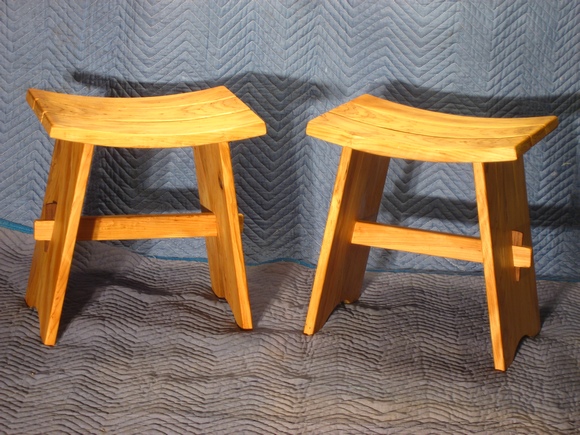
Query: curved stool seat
(188, 119)
(380, 127)
(371, 131)
(206, 120)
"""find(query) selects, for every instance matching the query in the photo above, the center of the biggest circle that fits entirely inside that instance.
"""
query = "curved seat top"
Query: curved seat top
(187, 119)
(378, 126)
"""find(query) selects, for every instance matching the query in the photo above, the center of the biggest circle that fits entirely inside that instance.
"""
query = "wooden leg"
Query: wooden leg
(511, 292)
(51, 261)
(358, 190)
(225, 256)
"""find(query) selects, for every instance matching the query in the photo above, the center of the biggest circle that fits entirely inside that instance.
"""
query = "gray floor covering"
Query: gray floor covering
(145, 347)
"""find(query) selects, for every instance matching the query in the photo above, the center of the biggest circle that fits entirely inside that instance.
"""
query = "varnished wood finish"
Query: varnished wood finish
(188, 119)
(135, 227)
(206, 120)
(50, 271)
(48, 212)
(377, 126)
(225, 257)
(341, 266)
(517, 242)
(372, 130)
(511, 299)
(430, 243)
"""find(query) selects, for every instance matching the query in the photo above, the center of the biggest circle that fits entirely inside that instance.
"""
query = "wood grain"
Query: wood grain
(377, 126)
(188, 119)
(433, 243)
(49, 275)
(512, 300)
(225, 256)
(134, 227)
(341, 266)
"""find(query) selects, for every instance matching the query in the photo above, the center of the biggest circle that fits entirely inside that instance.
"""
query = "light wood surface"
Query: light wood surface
(431, 243)
(49, 274)
(134, 227)
(225, 256)
(48, 211)
(206, 120)
(188, 119)
(341, 266)
(372, 130)
(517, 244)
(389, 129)
(512, 298)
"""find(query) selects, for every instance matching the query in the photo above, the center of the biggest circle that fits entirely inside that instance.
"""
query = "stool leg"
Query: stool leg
(511, 294)
(358, 190)
(225, 256)
(51, 261)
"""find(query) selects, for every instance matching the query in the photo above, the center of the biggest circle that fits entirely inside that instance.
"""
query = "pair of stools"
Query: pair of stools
(370, 130)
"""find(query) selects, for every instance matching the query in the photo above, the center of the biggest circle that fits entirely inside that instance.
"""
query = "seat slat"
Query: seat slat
(381, 127)
(99, 103)
(68, 112)
(385, 114)
(230, 127)
(190, 119)
(391, 143)
(500, 126)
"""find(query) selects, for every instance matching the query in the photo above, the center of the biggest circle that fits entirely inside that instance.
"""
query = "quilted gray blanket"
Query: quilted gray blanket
(145, 347)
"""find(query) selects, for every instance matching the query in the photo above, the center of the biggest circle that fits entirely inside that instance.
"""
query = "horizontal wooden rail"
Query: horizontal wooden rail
(132, 227)
(429, 243)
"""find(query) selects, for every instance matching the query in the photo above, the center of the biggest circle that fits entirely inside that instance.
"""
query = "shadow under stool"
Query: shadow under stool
(205, 120)
(371, 131)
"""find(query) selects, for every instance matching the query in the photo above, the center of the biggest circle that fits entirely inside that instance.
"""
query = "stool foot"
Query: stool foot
(511, 292)
(51, 261)
(358, 190)
(225, 256)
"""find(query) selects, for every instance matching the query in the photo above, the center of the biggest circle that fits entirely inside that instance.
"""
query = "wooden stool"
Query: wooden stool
(206, 120)
(373, 130)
